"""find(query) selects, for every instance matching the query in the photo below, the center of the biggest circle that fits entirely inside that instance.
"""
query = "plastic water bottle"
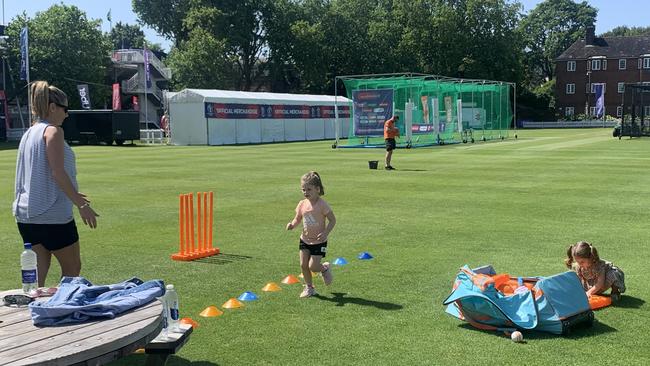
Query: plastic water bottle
(28, 265)
(171, 298)
(165, 319)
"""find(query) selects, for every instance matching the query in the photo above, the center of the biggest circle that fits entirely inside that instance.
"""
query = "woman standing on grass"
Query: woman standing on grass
(46, 186)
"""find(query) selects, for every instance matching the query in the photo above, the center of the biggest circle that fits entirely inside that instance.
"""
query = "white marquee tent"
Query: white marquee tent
(224, 117)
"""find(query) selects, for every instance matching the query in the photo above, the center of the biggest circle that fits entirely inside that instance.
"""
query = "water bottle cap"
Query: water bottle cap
(170, 287)
(28, 245)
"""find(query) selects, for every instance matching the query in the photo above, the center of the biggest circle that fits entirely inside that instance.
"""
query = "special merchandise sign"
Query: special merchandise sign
(371, 109)
(267, 111)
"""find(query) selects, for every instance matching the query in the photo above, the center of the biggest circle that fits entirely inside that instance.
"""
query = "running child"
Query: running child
(317, 222)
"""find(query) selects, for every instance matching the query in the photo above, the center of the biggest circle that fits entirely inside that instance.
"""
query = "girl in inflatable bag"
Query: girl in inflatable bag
(596, 275)
(317, 222)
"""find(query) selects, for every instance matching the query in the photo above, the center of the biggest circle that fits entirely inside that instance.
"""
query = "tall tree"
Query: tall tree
(549, 29)
(625, 31)
(165, 16)
(65, 48)
(124, 36)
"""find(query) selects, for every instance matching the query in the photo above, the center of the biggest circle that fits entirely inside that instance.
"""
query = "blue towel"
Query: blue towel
(77, 300)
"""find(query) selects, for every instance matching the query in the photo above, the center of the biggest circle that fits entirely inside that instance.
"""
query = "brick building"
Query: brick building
(612, 61)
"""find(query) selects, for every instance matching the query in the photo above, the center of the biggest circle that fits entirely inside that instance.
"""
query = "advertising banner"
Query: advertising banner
(599, 91)
(24, 53)
(117, 100)
(371, 109)
(84, 96)
(267, 111)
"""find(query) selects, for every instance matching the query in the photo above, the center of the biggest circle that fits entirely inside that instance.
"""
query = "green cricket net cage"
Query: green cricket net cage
(432, 110)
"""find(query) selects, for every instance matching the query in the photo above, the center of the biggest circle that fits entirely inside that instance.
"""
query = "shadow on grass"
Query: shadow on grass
(629, 302)
(223, 258)
(340, 299)
(173, 360)
(577, 332)
(413, 170)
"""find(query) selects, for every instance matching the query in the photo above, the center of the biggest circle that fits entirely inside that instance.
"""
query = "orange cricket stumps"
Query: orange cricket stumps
(189, 249)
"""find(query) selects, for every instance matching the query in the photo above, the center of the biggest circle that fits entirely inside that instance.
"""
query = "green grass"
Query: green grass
(516, 204)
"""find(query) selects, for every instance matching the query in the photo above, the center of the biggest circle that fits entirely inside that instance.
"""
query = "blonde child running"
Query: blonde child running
(596, 275)
(317, 222)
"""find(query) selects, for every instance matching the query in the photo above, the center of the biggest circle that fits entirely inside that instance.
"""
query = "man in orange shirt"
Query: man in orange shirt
(390, 132)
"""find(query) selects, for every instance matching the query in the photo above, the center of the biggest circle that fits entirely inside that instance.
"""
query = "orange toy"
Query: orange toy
(211, 311)
(599, 301)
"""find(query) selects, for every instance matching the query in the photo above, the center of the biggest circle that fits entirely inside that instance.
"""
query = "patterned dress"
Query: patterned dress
(589, 276)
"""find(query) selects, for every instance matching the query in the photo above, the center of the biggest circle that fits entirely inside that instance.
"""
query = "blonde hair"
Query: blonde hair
(581, 249)
(42, 95)
(313, 179)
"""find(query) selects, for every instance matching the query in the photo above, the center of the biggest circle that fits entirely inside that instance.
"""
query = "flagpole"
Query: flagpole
(29, 86)
(146, 88)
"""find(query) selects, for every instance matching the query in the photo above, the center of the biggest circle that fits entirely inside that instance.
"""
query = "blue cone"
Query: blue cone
(340, 261)
(365, 256)
(247, 296)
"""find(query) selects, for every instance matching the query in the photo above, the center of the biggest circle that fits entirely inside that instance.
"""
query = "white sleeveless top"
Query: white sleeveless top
(38, 198)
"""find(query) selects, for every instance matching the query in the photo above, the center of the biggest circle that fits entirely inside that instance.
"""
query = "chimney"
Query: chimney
(590, 35)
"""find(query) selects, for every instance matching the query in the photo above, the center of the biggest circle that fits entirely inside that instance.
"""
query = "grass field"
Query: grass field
(516, 204)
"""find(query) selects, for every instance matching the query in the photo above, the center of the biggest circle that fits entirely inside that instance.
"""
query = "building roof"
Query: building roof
(230, 96)
(610, 47)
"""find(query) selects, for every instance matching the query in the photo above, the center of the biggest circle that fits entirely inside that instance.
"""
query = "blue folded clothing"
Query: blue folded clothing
(77, 300)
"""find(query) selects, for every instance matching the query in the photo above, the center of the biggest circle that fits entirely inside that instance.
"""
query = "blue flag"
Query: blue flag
(24, 53)
(147, 75)
(599, 91)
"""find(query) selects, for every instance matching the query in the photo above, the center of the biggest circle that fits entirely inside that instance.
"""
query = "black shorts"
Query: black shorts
(314, 249)
(51, 236)
(390, 144)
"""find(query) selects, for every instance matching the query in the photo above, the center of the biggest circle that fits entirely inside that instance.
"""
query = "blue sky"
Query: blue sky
(121, 11)
(611, 13)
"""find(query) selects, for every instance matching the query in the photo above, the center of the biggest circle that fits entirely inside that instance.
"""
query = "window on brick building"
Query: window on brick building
(570, 66)
(622, 64)
(569, 111)
(595, 65)
(571, 88)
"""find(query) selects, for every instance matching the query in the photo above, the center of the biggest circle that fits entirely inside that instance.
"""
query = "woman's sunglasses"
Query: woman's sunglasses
(17, 300)
(65, 107)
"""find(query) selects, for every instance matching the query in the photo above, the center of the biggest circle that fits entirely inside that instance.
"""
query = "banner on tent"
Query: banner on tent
(267, 111)
(371, 109)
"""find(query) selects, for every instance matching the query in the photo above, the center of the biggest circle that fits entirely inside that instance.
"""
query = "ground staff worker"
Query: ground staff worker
(390, 133)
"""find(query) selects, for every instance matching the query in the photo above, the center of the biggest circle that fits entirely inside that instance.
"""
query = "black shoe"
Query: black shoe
(388, 167)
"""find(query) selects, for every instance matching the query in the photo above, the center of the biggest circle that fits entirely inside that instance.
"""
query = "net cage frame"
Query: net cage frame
(435, 87)
(635, 122)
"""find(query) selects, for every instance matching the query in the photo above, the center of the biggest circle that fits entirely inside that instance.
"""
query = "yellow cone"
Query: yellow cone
(232, 304)
(211, 311)
(271, 287)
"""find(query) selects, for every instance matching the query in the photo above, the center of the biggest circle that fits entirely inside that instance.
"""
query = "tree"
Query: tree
(549, 29)
(165, 16)
(124, 36)
(199, 62)
(625, 31)
(65, 48)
